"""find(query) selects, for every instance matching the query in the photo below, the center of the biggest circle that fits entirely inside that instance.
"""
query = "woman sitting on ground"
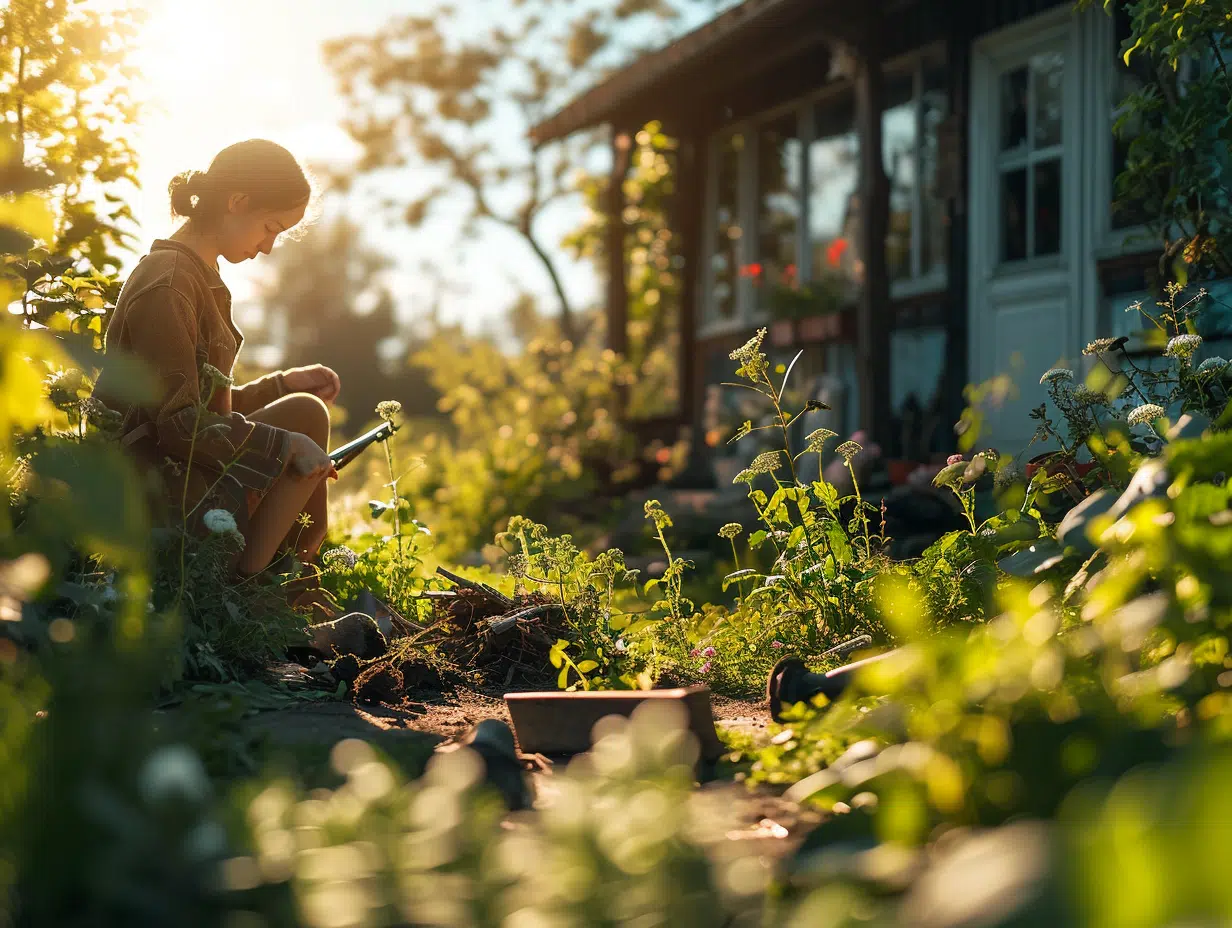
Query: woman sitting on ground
(257, 451)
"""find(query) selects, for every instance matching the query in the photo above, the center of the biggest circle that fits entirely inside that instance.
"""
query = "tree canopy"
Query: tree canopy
(434, 92)
(65, 76)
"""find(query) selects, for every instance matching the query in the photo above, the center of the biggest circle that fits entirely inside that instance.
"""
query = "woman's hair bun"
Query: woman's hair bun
(185, 191)
(263, 171)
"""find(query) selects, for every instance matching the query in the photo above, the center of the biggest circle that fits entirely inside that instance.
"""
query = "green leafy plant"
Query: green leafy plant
(532, 433)
(1177, 129)
(594, 596)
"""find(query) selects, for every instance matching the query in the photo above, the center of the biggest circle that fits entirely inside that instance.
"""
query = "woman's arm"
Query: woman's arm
(257, 393)
(161, 327)
(316, 379)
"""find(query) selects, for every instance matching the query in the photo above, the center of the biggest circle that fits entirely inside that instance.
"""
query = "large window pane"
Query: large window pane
(1014, 209)
(1047, 73)
(779, 165)
(1032, 119)
(725, 243)
(834, 205)
(898, 142)
(1048, 207)
(1014, 107)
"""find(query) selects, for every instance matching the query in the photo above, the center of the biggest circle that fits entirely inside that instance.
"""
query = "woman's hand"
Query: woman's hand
(316, 379)
(308, 460)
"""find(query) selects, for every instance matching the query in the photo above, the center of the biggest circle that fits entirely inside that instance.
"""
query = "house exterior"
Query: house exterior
(1002, 252)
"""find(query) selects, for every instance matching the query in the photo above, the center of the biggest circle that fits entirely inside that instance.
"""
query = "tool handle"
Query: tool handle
(351, 450)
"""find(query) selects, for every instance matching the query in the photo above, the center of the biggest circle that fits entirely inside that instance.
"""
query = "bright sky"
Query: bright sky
(221, 71)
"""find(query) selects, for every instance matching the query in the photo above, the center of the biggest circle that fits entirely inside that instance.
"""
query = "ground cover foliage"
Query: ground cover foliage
(1047, 746)
(1011, 729)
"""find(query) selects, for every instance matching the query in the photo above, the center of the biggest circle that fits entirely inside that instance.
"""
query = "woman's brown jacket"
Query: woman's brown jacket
(174, 314)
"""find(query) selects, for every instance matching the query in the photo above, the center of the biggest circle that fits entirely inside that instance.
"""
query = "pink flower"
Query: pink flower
(709, 652)
(776, 644)
(954, 459)
(695, 653)
(706, 667)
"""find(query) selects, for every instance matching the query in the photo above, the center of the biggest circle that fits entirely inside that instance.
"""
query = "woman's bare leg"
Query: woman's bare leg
(276, 521)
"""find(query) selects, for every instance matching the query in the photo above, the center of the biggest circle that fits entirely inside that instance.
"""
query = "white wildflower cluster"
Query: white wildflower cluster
(1057, 375)
(340, 558)
(1215, 365)
(1183, 346)
(767, 462)
(752, 361)
(1145, 414)
(1100, 345)
(387, 409)
(221, 522)
(816, 440)
(848, 450)
(731, 530)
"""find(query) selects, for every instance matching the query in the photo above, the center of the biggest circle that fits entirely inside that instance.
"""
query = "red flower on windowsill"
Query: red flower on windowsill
(834, 253)
(751, 270)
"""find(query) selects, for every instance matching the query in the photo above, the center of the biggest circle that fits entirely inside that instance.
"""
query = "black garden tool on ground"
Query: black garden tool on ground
(503, 769)
(791, 682)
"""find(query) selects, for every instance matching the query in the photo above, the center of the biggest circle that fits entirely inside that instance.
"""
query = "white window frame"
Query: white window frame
(934, 279)
(1026, 158)
(747, 314)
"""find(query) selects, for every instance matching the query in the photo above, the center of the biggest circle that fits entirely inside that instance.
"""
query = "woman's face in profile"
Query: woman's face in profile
(247, 232)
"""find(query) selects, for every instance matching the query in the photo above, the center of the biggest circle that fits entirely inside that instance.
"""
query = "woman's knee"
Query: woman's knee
(309, 414)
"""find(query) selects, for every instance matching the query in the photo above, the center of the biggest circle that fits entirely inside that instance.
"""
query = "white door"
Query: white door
(1029, 256)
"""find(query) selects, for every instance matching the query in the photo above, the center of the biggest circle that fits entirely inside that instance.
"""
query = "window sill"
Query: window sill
(1005, 269)
(901, 290)
(718, 327)
(919, 286)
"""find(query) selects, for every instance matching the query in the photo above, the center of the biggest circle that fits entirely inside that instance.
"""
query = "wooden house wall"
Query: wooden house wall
(783, 63)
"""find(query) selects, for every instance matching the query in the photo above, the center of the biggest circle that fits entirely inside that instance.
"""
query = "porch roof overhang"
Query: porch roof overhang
(708, 45)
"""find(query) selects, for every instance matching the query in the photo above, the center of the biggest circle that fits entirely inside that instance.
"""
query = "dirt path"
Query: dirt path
(427, 722)
(451, 715)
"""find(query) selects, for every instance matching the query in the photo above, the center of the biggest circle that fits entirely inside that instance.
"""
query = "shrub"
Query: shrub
(532, 432)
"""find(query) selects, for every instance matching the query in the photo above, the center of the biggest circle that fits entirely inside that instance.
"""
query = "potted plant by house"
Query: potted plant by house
(810, 312)
(1055, 463)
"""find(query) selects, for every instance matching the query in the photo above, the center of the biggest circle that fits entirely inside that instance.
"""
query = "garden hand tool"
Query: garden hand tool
(493, 741)
(791, 682)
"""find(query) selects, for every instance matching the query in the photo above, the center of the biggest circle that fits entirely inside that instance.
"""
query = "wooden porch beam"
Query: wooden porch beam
(690, 165)
(960, 32)
(874, 324)
(617, 284)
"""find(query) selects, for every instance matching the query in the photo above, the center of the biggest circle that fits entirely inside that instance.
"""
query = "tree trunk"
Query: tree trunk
(568, 322)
